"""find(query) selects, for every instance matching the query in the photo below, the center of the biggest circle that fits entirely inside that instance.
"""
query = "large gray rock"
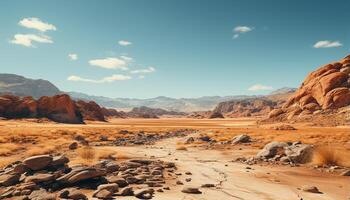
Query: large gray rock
(299, 153)
(271, 149)
(241, 139)
(38, 162)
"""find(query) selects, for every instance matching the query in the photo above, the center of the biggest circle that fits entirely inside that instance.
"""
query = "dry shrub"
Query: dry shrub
(326, 155)
(122, 156)
(87, 155)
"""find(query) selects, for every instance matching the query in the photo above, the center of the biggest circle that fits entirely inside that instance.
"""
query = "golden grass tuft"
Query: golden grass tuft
(330, 156)
(87, 155)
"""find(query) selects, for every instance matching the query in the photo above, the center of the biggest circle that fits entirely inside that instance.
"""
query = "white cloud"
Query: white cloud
(147, 70)
(36, 23)
(327, 44)
(141, 77)
(259, 87)
(110, 63)
(242, 29)
(238, 30)
(127, 58)
(73, 56)
(108, 79)
(28, 39)
(124, 43)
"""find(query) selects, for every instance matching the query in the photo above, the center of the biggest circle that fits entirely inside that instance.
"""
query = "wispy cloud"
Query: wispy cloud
(127, 58)
(259, 87)
(28, 39)
(36, 23)
(108, 79)
(327, 44)
(73, 56)
(124, 43)
(147, 70)
(110, 63)
(238, 30)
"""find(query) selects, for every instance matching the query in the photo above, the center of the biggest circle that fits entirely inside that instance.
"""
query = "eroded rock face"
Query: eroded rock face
(59, 108)
(90, 110)
(325, 88)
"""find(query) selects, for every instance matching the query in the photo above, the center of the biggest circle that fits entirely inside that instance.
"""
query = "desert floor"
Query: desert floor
(208, 164)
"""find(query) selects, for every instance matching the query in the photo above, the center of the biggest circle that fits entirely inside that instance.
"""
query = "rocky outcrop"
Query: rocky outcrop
(48, 177)
(323, 90)
(90, 110)
(246, 107)
(146, 112)
(110, 112)
(59, 108)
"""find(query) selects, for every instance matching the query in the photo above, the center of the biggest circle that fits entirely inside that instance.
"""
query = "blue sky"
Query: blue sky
(182, 48)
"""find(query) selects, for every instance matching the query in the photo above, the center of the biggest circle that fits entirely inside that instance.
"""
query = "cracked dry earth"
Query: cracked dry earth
(234, 180)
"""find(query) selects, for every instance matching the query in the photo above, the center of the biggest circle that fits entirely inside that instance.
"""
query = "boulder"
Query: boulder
(299, 153)
(145, 193)
(90, 110)
(311, 189)
(59, 108)
(42, 194)
(241, 139)
(272, 149)
(38, 162)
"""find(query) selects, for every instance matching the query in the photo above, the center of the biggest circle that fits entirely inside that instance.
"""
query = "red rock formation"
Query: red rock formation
(110, 112)
(59, 108)
(327, 88)
(90, 110)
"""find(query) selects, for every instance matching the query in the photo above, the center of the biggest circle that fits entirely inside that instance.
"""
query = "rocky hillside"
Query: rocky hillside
(146, 112)
(254, 106)
(58, 108)
(246, 107)
(325, 91)
(21, 86)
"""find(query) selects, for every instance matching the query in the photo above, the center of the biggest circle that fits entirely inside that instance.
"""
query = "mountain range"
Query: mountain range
(22, 86)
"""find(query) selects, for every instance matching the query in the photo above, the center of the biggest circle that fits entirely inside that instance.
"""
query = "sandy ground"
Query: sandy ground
(215, 166)
(234, 181)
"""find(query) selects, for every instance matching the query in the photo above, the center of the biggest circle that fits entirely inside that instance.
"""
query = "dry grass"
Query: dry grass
(87, 155)
(9, 149)
(331, 156)
(40, 150)
(6, 161)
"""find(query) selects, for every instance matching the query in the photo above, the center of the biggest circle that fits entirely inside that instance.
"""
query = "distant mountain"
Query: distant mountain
(21, 86)
(167, 103)
(283, 90)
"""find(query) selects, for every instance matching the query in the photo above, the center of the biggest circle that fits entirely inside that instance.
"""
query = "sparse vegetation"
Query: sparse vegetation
(331, 156)
(87, 155)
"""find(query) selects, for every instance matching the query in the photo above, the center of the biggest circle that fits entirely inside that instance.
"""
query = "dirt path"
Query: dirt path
(234, 180)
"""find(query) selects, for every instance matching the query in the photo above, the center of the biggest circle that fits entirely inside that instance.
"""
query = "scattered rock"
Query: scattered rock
(73, 146)
(208, 185)
(346, 173)
(191, 190)
(38, 162)
(144, 193)
(311, 189)
(9, 179)
(241, 139)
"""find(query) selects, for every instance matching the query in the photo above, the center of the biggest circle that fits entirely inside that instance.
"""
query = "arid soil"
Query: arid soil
(199, 163)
